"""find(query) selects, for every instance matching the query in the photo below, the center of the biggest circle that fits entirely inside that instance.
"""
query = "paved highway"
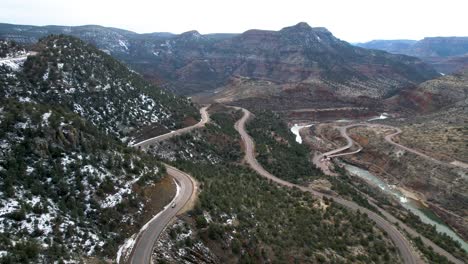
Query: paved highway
(148, 142)
(143, 248)
(141, 253)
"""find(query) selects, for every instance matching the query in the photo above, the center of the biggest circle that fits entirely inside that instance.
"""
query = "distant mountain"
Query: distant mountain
(397, 46)
(111, 38)
(441, 47)
(298, 63)
(308, 64)
(446, 54)
(427, 47)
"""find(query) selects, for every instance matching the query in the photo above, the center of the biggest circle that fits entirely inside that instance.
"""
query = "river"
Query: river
(426, 215)
(295, 130)
(381, 117)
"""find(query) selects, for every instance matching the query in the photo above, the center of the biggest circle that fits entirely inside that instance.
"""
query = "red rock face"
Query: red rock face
(433, 95)
(421, 102)
(294, 56)
(191, 63)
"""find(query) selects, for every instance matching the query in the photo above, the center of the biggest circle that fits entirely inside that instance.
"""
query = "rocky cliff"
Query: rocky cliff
(298, 61)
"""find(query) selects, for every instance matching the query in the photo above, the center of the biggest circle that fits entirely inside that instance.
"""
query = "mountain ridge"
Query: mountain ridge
(446, 54)
(296, 58)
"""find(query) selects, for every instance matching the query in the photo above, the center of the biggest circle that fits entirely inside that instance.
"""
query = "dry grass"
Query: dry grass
(157, 196)
(443, 141)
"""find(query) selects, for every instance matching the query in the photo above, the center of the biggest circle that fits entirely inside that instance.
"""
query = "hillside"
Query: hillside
(70, 189)
(67, 72)
(446, 54)
(306, 65)
(443, 103)
(67, 189)
(302, 63)
(434, 95)
(10, 49)
(427, 47)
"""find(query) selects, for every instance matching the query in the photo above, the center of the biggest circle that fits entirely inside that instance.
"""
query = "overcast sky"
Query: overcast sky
(350, 20)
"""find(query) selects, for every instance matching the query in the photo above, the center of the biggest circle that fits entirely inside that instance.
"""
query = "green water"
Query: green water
(424, 213)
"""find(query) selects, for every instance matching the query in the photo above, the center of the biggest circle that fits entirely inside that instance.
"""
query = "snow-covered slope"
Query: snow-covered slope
(68, 185)
(66, 189)
(68, 72)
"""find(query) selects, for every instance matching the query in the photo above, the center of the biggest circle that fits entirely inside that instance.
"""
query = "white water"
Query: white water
(406, 202)
(295, 130)
(382, 116)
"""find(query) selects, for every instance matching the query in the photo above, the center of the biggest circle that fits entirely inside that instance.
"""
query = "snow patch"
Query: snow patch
(24, 99)
(13, 63)
(123, 44)
(29, 170)
(45, 118)
(126, 248)
(9, 206)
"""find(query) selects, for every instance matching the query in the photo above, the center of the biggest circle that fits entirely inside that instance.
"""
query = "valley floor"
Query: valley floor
(406, 249)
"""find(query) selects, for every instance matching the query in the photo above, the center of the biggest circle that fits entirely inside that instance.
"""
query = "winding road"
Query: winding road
(149, 234)
(406, 251)
(205, 118)
(389, 139)
(141, 253)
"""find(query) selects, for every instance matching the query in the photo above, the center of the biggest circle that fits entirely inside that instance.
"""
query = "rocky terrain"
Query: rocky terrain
(446, 54)
(300, 62)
